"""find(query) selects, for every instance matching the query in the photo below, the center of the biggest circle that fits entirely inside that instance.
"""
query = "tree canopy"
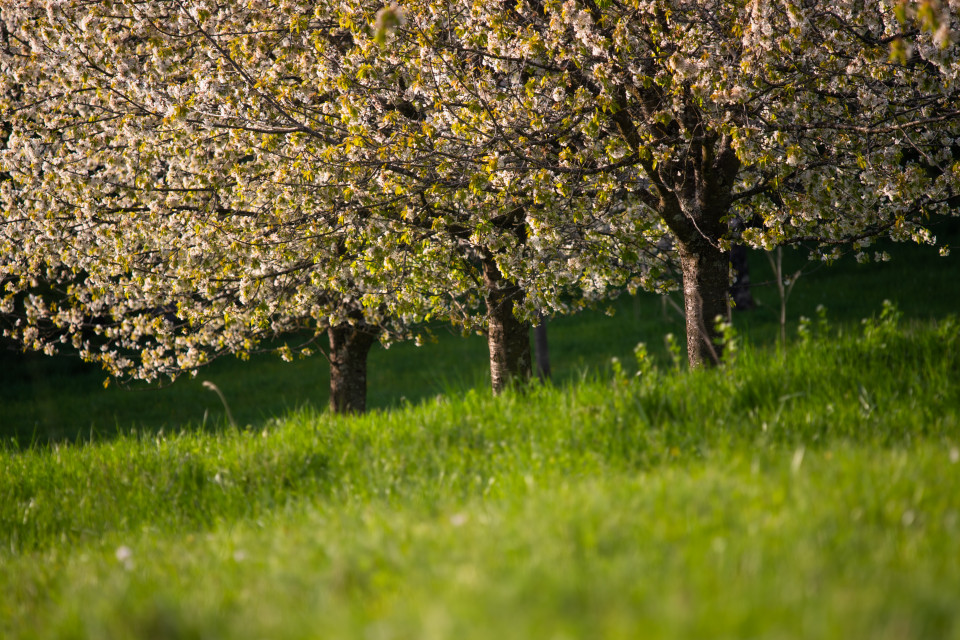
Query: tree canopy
(191, 177)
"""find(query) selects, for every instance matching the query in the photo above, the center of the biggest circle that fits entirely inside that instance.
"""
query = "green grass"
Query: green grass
(807, 496)
(806, 493)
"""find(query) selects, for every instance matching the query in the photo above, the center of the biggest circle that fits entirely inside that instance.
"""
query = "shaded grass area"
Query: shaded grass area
(812, 496)
(43, 399)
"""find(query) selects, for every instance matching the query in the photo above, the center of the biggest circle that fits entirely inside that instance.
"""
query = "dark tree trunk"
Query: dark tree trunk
(542, 349)
(706, 280)
(697, 214)
(349, 346)
(507, 338)
(692, 192)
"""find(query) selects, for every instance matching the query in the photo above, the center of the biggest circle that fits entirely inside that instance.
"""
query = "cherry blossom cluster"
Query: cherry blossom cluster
(181, 179)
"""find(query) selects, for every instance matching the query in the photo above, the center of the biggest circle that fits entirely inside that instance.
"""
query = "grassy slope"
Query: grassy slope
(809, 497)
(812, 497)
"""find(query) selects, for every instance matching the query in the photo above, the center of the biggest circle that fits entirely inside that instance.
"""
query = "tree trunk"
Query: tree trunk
(507, 338)
(349, 346)
(541, 349)
(706, 281)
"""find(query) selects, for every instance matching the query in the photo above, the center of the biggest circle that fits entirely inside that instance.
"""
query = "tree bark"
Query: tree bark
(349, 347)
(706, 281)
(507, 338)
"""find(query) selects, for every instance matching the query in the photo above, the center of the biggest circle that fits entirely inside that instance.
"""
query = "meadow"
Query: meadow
(805, 490)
